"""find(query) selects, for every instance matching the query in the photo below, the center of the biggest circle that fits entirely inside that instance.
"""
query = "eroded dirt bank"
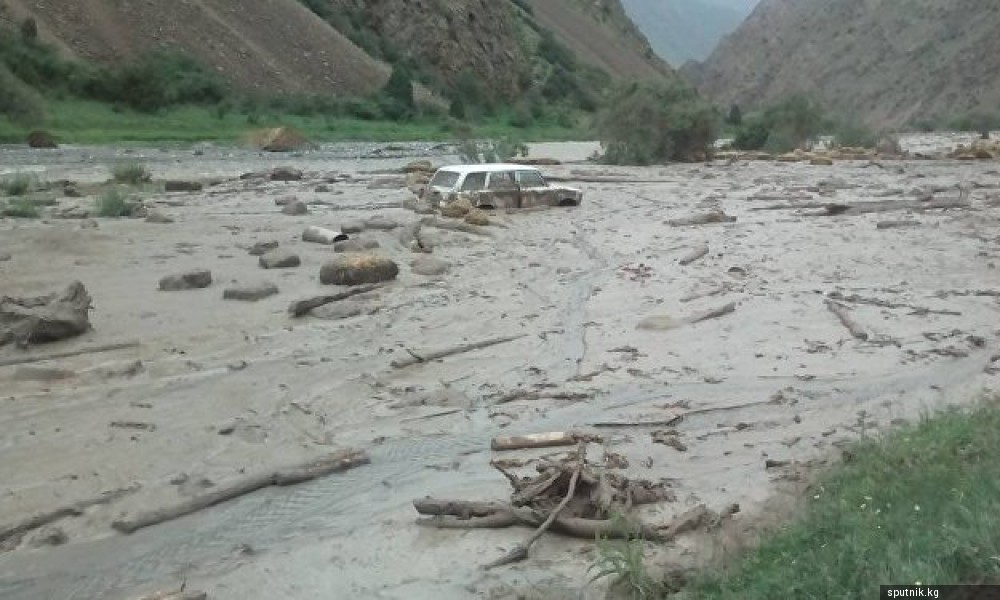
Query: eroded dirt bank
(217, 389)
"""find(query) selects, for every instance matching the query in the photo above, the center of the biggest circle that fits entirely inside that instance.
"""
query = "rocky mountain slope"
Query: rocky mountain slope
(890, 62)
(683, 30)
(348, 46)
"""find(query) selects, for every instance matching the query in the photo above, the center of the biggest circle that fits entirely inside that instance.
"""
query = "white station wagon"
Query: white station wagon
(498, 186)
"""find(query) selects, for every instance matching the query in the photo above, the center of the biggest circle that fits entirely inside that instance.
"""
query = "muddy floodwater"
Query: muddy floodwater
(801, 327)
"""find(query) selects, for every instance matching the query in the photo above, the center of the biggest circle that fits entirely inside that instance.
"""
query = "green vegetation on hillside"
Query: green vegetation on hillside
(791, 124)
(917, 506)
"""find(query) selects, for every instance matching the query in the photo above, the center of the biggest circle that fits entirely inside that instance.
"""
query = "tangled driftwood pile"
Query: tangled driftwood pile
(567, 494)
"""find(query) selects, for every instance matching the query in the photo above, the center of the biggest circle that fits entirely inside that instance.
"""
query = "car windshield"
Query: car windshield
(444, 179)
(530, 179)
(474, 182)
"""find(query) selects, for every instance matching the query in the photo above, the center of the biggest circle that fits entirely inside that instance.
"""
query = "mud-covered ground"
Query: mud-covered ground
(216, 389)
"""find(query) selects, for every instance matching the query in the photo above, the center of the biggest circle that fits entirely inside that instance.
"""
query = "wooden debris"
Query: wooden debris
(845, 319)
(539, 440)
(336, 463)
(422, 357)
(917, 310)
(459, 226)
(712, 314)
(694, 255)
(177, 595)
(896, 224)
(22, 360)
(303, 307)
(715, 216)
(530, 395)
(861, 208)
(14, 533)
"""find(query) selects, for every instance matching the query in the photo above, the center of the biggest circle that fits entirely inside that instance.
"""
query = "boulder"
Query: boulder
(457, 209)
(295, 208)
(279, 139)
(41, 139)
(280, 259)
(261, 248)
(419, 166)
(182, 186)
(192, 280)
(251, 292)
(358, 269)
(285, 174)
(355, 245)
(46, 318)
(319, 235)
(380, 223)
(429, 266)
(351, 227)
(477, 217)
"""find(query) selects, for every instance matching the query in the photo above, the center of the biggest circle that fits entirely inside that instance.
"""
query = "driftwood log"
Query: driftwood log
(844, 315)
(13, 533)
(694, 255)
(21, 360)
(540, 440)
(335, 463)
(422, 357)
(304, 307)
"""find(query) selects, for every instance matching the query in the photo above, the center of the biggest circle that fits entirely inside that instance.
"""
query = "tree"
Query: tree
(29, 29)
(735, 117)
(397, 99)
(655, 122)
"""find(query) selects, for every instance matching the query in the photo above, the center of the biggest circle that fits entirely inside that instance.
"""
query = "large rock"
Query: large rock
(46, 318)
(285, 174)
(477, 217)
(251, 292)
(295, 208)
(380, 223)
(280, 259)
(457, 209)
(355, 245)
(279, 139)
(419, 166)
(352, 227)
(262, 248)
(41, 139)
(192, 280)
(429, 266)
(182, 186)
(358, 269)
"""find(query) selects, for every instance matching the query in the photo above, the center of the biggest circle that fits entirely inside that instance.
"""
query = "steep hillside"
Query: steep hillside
(273, 46)
(888, 61)
(683, 30)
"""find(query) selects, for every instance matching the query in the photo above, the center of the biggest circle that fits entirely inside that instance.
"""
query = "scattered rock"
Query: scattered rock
(357, 269)
(319, 235)
(70, 191)
(821, 161)
(355, 245)
(158, 217)
(45, 318)
(295, 209)
(280, 259)
(50, 535)
(477, 217)
(285, 200)
(250, 292)
(429, 266)
(72, 212)
(351, 227)
(419, 166)
(182, 186)
(261, 248)
(89, 224)
(322, 188)
(285, 174)
(457, 209)
(380, 223)
(41, 139)
(197, 279)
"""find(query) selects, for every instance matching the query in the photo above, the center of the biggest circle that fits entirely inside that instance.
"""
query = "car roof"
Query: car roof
(488, 168)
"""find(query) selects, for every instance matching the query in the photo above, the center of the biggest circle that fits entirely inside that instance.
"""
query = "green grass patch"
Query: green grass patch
(920, 505)
(20, 208)
(132, 173)
(86, 122)
(17, 184)
(115, 203)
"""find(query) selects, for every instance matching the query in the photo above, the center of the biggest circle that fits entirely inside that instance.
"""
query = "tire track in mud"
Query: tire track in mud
(204, 542)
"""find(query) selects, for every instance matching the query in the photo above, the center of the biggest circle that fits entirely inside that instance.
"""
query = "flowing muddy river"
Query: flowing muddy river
(213, 390)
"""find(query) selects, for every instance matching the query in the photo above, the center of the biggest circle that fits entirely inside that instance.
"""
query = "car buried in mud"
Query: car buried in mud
(497, 186)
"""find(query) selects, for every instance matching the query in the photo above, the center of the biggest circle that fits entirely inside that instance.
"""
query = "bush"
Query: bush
(396, 98)
(980, 121)
(752, 135)
(18, 184)
(115, 203)
(164, 79)
(655, 122)
(18, 101)
(132, 173)
(782, 127)
(855, 134)
(21, 208)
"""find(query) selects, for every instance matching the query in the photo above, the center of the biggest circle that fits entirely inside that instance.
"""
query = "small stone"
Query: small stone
(41, 139)
(285, 200)
(199, 278)
(285, 174)
(355, 245)
(280, 259)
(158, 217)
(182, 186)
(251, 292)
(358, 269)
(429, 266)
(295, 209)
(352, 227)
(380, 223)
(261, 248)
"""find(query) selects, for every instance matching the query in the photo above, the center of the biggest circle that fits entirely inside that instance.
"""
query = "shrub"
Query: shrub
(132, 173)
(654, 122)
(782, 127)
(115, 203)
(855, 134)
(18, 101)
(21, 208)
(752, 135)
(18, 184)
(164, 79)
(979, 121)
(735, 116)
(396, 98)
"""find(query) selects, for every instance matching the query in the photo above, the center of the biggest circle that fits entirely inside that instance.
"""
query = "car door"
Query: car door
(502, 191)
(534, 190)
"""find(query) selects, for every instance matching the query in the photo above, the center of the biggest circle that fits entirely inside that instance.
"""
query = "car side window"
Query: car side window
(530, 179)
(474, 182)
(502, 180)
